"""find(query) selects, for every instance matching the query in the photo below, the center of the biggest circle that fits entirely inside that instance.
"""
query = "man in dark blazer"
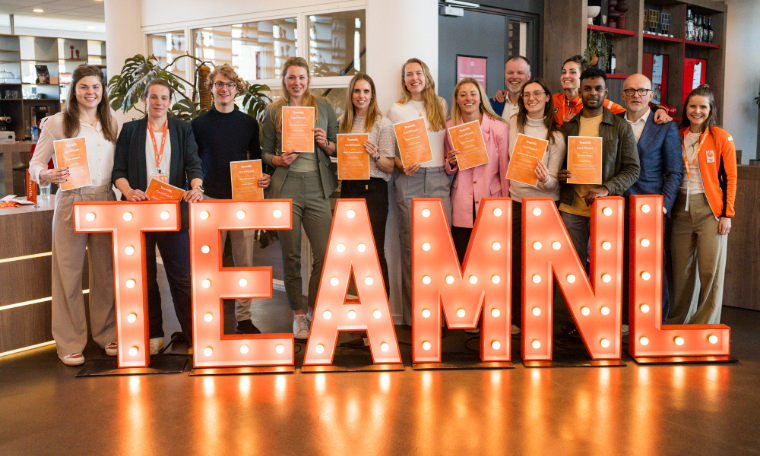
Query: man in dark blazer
(660, 158)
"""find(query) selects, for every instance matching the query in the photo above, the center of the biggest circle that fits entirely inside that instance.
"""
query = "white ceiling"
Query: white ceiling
(63, 9)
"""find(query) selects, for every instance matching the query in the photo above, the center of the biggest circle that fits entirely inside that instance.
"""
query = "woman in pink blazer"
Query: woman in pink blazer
(484, 181)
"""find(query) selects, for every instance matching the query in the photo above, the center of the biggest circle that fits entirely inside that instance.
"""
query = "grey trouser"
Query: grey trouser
(426, 183)
(579, 229)
(69, 248)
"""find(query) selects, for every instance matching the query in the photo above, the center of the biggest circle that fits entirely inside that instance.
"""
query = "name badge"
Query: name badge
(710, 156)
(161, 178)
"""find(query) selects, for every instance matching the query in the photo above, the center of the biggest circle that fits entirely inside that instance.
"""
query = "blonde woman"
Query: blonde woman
(418, 180)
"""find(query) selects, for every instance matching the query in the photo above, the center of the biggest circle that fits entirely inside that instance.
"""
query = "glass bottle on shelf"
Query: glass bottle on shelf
(710, 32)
(613, 61)
(689, 25)
(696, 27)
(701, 29)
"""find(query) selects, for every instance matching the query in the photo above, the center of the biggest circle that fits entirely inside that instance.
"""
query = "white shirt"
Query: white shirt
(150, 154)
(413, 110)
(638, 126)
(509, 109)
(692, 184)
(100, 151)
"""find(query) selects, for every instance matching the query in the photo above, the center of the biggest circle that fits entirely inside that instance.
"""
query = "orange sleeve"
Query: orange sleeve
(614, 107)
(728, 152)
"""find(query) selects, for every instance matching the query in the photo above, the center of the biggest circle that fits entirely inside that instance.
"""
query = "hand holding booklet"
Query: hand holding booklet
(158, 190)
(584, 160)
(467, 139)
(413, 142)
(72, 154)
(245, 176)
(528, 151)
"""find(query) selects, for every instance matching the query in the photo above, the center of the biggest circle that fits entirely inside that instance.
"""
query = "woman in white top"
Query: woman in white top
(418, 180)
(87, 115)
(363, 116)
(535, 118)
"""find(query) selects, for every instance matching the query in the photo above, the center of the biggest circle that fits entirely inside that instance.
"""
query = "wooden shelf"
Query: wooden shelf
(652, 36)
(614, 31)
(10, 50)
(701, 44)
(11, 99)
(617, 76)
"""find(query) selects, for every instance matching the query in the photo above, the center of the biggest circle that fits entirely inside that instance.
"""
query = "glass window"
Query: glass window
(167, 47)
(336, 96)
(337, 43)
(256, 50)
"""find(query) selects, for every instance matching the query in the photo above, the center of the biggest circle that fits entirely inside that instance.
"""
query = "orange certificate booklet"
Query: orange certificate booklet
(72, 154)
(245, 180)
(353, 159)
(297, 129)
(584, 160)
(467, 139)
(413, 142)
(527, 153)
(158, 190)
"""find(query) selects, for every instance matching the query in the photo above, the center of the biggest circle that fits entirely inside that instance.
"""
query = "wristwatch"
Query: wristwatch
(377, 158)
(200, 187)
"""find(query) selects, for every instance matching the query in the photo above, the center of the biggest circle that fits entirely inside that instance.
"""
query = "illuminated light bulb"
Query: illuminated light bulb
(536, 278)
(645, 242)
(606, 278)
(605, 310)
(341, 248)
(129, 250)
(208, 317)
(495, 279)
(426, 280)
(606, 245)
(208, 351)
(90, 216)
(377, 314)
(127, 216)
(604, 343)
(244, 349)
(350, 213)
(607, 211)
(242, 282)
(334, 281)
(426, 246)
(164, 215)
(426, 213)
(449, 279)
(644, 308)
(644, 341)
(327, 315)
(320, 348)
(241, 214)
(205, 249)
(537, 212)
(204, 215)
(369, 281)
(425, 313)
(537, 245)
(133, 351)
(495, 313)
(473, 279)
(585, 310)
(277, 214)
(495, 345)
(460, 313)
(536, 311)
(206, 283)
(384, 347)
(361, 247)
(570, 278)
(645, 208)
(426, 346)
(679, 340)
(496, 246)
(713, 339)
(280, 349)
(130, 283)
(132, 317)
(351, 315)
(645, 275)
(536, 344)
(497, 212)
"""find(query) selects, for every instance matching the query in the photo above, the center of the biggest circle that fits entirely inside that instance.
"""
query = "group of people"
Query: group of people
(643, 153)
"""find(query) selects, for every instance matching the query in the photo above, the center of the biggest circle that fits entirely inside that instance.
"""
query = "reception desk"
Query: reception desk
(742, 287)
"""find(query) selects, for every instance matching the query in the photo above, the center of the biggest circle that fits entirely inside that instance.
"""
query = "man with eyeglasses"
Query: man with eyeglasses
(225, 134)
(516, 74)
(659, 148)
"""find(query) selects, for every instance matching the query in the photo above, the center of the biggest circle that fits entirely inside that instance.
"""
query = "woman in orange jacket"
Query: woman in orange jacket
(702, 213)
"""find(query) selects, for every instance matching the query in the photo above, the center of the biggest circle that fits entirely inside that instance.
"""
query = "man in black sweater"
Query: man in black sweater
(225, 134)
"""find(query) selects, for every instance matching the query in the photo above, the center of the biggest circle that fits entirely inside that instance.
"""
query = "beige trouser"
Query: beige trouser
(69, 248)
(699, 263)
(242, 256)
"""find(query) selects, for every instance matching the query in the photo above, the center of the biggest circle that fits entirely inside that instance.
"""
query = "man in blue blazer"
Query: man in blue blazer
(660, 156)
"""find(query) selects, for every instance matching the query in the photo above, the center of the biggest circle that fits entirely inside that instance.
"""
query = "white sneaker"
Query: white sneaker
(112, 349)
(300, 327)
(74, 359)
(156, 345)
(625, 330)
(515, 330)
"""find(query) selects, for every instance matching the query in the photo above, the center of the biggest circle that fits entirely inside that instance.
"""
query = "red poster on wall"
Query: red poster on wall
(469, 66)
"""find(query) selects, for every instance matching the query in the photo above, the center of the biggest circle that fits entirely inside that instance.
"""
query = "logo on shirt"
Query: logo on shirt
(710, 156)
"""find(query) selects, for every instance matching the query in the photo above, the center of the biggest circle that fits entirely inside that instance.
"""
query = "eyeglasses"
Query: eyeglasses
(229, 85)
(632, 92)
(536, 95)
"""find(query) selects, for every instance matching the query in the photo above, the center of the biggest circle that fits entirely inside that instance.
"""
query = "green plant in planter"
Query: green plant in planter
(597, 46)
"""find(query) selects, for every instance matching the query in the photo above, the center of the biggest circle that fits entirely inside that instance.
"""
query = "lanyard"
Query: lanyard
(686, 159)
(159, 154)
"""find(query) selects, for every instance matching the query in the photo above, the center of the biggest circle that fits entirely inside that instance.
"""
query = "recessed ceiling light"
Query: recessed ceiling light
(38, 10)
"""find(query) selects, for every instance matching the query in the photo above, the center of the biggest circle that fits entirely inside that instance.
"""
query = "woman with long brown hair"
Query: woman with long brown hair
(87, 115)
(306, 178)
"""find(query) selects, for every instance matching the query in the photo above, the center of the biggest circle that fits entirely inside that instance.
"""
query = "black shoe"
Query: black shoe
(570, 330)
(246, 327)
